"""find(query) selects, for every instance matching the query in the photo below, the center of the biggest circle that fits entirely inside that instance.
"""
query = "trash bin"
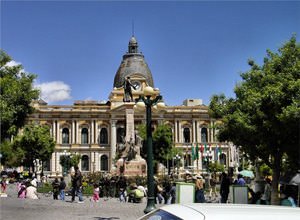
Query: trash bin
(185, 192)
(238, 194)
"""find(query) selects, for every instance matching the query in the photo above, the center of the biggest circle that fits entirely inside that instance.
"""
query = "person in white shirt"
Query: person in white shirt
(31, 192)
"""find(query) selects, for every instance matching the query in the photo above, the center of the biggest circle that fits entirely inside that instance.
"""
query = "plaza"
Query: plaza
(13, 208)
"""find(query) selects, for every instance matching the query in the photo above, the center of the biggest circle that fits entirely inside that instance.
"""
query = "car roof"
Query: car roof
(214, 211)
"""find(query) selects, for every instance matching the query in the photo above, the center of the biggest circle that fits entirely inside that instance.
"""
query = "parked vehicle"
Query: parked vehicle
(209, 211)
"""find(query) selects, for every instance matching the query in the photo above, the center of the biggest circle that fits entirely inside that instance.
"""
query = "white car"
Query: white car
(210, 211)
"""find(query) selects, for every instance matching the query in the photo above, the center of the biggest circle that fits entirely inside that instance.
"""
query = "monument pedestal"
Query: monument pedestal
(135, 167)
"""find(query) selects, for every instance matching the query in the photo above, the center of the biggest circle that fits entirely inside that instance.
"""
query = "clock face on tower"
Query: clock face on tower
(136, 84)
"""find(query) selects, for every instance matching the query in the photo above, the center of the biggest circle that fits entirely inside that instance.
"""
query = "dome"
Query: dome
(132, 40)
(133, 63)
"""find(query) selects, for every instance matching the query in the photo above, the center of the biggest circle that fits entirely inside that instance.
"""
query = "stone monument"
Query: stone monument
(131, 163)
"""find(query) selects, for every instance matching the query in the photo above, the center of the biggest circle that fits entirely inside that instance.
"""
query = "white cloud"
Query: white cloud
(55, 91)
(12, 63)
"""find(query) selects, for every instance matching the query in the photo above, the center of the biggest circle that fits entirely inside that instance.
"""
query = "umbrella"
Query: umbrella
(247, 173)
(295, 180)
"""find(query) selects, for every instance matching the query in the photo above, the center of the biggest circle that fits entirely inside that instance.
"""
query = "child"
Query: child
(22, 190)
(3, 185)
(96, 193)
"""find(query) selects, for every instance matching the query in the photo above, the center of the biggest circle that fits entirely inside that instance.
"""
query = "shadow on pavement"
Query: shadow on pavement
(109, 218)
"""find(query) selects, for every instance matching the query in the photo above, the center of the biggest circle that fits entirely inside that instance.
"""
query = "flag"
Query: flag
(201, 148)
(197, 151)
(220, 150)
(193, 153)
(216, 152)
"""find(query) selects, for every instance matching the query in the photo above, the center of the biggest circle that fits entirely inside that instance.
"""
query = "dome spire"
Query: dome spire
(133, 45)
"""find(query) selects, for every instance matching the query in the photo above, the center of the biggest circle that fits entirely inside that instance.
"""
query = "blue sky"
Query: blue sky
(194, 49)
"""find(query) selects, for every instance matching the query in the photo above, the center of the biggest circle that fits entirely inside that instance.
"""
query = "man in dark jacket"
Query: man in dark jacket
(224, 189)
(62, 187)
(77, 185)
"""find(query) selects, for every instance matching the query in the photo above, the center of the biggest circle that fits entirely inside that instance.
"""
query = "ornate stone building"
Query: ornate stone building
(95, 129)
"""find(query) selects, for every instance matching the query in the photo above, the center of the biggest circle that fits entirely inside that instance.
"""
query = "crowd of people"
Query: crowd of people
(164, 189)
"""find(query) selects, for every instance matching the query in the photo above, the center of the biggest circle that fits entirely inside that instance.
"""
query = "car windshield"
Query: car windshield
(161, 215)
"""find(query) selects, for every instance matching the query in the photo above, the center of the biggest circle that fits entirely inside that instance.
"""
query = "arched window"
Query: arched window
(103, 136)
(186, 135)
(187, 160)
(65, 136)
(120, 135)
(204, 135)
(85, 163)
(84, 136)
(104, 163)
(222, 158)
(46, 165)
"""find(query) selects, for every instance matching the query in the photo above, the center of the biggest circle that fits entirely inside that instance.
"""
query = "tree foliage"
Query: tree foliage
(16, 95)
(69, 161)
(36, 143)
(162, 141)
(216, 167)
(264, 117)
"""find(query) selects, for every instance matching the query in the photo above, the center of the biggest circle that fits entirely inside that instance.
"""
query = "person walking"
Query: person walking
(62, 187)
(266, 197)
(213, 183)
(122, 185)
(199, 184)
(96, 193)
(157, 191)
(77, 185)
(172, 193)
(224, 189)
(55, 188)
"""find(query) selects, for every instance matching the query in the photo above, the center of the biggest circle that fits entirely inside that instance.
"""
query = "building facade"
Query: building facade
(95, 130)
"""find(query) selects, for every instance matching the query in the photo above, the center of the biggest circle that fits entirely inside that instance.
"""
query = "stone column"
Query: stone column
(92, 132)
(52, 164)
(175, 132)
(54, 130)
(77, 134)
(211, 131)
(179, 133)
(73, 132)
(56, 162)
(113, 141)
(92, 162)
(58, 133)
(97, 161)
(194, 131)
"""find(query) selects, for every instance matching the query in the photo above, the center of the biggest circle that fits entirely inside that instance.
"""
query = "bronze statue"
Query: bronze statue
(127, 90)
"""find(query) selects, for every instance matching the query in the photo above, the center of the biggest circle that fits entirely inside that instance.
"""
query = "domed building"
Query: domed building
(95, 130)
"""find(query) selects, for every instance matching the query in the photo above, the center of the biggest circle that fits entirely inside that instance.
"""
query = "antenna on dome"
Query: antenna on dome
(133, 28)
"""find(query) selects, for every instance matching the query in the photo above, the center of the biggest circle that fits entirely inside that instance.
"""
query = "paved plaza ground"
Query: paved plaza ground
(13, 208)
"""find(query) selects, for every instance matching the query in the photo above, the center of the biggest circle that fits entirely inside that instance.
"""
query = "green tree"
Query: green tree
(264, 117)
(68, 161)
(162, 141)
(216, 167)
(16, 95)
(12, 156)
(36, 143)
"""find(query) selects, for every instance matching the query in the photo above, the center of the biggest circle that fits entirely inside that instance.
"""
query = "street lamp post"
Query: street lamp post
(177, 158)
(148, 103)
(207, 155)
(66, 155)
